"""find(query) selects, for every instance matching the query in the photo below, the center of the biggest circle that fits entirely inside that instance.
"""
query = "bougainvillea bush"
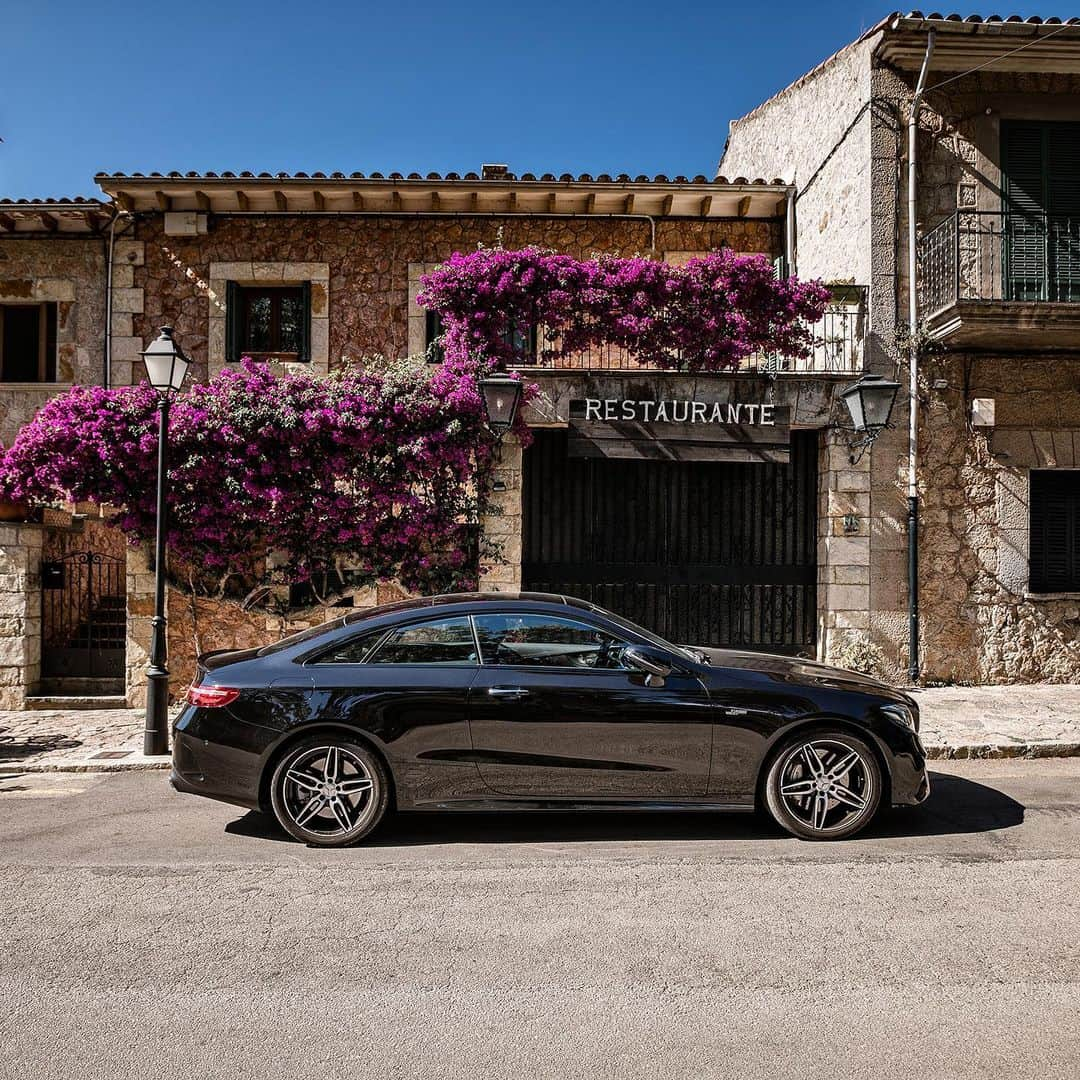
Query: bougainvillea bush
(708, 315)
(381, 471)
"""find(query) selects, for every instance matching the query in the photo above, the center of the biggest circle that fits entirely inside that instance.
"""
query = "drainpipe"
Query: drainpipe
(789, 230)
(913, 372)
(106, 375)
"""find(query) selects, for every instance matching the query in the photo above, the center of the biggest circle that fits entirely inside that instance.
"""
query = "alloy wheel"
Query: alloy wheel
(326, 792)
(827, 786)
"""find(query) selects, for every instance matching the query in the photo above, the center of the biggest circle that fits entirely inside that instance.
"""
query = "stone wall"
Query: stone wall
(20, 612)
(980, 624)
(368, 260)
(70, 270)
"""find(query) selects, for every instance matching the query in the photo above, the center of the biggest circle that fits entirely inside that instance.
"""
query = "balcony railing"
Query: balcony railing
(1006, 255)
(837, 350)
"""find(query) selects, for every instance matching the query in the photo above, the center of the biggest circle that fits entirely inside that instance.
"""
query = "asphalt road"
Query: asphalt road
(147, 934)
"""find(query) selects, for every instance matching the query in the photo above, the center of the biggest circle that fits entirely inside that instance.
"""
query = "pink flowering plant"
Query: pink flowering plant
(708, 315)
(380, 471)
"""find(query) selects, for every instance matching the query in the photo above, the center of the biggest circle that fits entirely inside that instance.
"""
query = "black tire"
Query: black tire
(815, 801)
(315, 806)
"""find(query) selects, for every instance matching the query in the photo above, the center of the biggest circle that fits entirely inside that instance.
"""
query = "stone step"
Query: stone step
(63, 703)
(79, 686)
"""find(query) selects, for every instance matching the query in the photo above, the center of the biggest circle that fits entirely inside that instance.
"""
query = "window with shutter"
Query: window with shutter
(1040, 165)
(1055, 531)
(268, 322)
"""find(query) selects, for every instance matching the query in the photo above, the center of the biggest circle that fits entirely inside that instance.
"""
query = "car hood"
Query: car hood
(802, 672)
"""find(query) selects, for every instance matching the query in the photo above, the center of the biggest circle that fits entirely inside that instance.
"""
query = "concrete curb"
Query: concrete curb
(971, 751)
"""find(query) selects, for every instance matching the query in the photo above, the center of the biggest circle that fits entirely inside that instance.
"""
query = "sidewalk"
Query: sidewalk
(957, 722)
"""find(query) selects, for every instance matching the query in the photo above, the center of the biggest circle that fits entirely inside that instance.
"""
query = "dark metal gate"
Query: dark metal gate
(83, 616)
(704, 553)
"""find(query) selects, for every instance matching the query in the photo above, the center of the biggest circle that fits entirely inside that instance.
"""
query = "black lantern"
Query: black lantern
(501, 397)
(166, 364)
(870, 402)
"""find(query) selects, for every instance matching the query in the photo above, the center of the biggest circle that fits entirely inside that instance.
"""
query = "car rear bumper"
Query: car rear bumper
(214, 771)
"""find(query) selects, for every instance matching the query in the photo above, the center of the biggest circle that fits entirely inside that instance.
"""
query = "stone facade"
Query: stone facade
(70, 270)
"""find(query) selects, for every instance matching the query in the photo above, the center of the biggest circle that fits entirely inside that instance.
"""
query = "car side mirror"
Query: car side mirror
(654, 664)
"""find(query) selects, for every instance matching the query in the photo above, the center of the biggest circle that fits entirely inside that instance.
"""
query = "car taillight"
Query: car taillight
(212, 697)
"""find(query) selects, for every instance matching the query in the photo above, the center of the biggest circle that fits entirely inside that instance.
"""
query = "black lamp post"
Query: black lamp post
(166, 366)
(870, 402)
(501, 398)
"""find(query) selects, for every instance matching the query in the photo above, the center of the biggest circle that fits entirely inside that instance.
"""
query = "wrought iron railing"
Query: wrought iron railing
(838, 346)
(1007, 254)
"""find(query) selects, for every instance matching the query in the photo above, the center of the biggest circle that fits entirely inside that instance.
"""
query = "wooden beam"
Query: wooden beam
(125, 201)
(7, 223)
(512, 207)
(357, 201)
(665, 207)
(320, 200)
(706, 206)
(242, 201)
(163, 200)
(629, 207)
(590, 203)
(436, 202)
(95, 221)
(395, 200)
(202, 200)
(744, 206)
(474, 201)
(48, 221)
(551, 203)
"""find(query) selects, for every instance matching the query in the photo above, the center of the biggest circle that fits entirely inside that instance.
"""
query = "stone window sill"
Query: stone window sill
(1036, 596)
(50, 386)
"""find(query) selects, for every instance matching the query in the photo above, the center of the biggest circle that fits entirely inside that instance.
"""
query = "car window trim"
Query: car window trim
(403, 626)
(545, 667)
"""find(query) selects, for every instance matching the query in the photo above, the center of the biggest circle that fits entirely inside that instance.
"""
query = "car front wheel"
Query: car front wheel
(329, 791)
(823, 785)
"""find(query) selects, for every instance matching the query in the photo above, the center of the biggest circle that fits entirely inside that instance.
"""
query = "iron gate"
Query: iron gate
(705, 553)
(83, 616)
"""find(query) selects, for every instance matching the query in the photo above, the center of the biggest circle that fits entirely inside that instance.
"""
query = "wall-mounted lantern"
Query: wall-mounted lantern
(501, 396)
(870, 403)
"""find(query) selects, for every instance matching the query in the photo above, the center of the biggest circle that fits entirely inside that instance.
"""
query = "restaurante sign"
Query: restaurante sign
(678, 411)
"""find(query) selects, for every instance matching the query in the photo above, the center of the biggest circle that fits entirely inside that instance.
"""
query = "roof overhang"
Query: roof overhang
(66, 217)
(1050, 45)
(290, 194)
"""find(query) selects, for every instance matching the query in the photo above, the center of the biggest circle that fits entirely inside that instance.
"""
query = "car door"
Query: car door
(555, 713)
(409, 688)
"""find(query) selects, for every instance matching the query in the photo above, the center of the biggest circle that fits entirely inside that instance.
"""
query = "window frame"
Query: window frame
(239, 295)
(47, 330)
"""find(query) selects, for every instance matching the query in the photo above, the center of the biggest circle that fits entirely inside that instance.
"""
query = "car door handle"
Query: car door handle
(736, 712)
(508, 691)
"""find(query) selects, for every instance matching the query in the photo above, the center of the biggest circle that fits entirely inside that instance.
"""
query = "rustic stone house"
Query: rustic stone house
(775, 536)
(998, 254)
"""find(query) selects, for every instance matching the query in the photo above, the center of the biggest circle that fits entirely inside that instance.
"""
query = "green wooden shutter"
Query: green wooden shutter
(1055, 530)
(234, 343)
(1023, 166)
(305, 323)
(1063, 204)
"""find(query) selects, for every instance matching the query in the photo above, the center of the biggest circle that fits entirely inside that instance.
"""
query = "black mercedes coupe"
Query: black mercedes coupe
(536, 702)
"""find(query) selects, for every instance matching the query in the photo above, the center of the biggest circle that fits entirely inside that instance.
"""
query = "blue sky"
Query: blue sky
(546, 87)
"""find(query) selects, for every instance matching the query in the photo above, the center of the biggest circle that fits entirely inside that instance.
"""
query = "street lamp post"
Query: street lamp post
(166, 366)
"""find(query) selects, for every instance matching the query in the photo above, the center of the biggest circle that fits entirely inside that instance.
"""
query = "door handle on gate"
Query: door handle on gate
(507, 691)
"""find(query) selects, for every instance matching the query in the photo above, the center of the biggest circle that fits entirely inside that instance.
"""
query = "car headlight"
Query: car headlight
(904, 716)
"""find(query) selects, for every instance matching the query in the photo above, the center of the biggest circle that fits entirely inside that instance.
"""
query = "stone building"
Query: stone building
(998, 220)
(766, 529)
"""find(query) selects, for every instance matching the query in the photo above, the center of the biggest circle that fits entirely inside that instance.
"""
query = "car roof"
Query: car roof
(458, 599)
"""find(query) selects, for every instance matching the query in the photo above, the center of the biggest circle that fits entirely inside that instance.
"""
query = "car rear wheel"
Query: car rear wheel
(329, 791)
(823, 785)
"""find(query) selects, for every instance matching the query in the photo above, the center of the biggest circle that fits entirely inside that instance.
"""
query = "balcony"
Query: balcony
(839, 341)
(1002, 280)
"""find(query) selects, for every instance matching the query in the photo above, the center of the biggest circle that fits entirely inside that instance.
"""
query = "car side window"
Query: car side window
(354, 650)
(546, 641)
(437, 641)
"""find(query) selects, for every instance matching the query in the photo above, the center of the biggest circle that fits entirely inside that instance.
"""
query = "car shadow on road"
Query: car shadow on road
(956, 806)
